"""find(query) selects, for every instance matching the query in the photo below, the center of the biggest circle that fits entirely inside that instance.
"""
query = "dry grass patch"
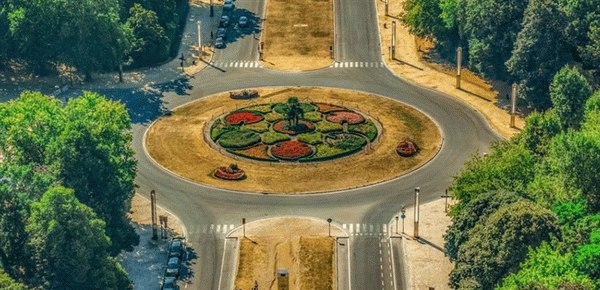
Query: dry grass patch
(316, 263)
(297, 34)
(177, 143)
(410, 65)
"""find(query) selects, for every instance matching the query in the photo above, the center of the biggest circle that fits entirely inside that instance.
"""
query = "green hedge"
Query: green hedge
(260, 127)
(238, 139)
(266, 108)
(283, 108)
(313, 116)
(311, 138)
(327, 154)
(219, 127)
(270, 138)
(273, 117)
(349, 142)
(326, 126)
(367, 128)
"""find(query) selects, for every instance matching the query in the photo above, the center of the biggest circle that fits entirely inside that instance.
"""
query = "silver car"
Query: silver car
(173, 267)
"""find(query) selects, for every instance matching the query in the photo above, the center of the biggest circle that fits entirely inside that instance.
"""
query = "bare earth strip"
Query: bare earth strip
(177, 143)
(298, 244)
(297, 34)
(408, 63)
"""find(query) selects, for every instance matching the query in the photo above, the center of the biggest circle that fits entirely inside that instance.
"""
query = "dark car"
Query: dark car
(224, 21)
(176, 249)
(222, 33)
(173, 267)
(228, 4)
(169, 283)
(219, 43)
(243, 21)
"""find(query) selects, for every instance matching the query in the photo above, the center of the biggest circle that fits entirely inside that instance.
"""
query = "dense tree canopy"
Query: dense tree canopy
(569, 92)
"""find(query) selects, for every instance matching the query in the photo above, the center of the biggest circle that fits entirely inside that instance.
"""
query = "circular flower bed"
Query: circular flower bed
(232, 172)
(291, 150)
(341, 116)
(246, 117)
(263, 131)
(302, 127)
(407, 149)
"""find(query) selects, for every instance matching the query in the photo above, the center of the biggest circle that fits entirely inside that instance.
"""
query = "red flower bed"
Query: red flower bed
(350, 117)
(230, 173)
(326, 108)
(303, 127)
(291, 150)
(407, 149)
(246, 117)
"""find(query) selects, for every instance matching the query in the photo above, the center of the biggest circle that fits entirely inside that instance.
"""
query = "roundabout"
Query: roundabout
(333, 145)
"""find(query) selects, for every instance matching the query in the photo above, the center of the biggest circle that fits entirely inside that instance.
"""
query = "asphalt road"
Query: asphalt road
(208, 213)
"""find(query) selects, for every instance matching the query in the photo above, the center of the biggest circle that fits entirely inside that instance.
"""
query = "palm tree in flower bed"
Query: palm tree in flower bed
(291, 150)
(407, 149)
(232, 172)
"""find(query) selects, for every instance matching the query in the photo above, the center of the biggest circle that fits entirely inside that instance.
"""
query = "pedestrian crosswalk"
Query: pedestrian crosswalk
(366, 229)
(358, 64)
(237, 64)
(351, 229)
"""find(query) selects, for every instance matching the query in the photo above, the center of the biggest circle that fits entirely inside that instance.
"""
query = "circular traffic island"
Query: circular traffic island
(292, 140)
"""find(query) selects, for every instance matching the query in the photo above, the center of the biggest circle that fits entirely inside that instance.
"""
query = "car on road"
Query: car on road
(243, 21)
(222, 33)
(224, 21)
(169, 283)
(219, 43)
(228, 5)
(173, 267)
(176, 248)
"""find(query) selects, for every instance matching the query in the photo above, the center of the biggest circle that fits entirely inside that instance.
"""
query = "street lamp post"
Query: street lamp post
(446, 196)
(329, 220)
(458, 65)
(200, 37)
(153, 210)
(513, 104)
(244, 226)
(393, 39)
(396, 225)
(416, 233)
(403, 216)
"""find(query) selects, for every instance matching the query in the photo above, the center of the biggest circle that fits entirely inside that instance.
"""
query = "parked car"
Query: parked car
(173, 267)
(176, 249)
(228, 4)
(224, 21)
(219, 43)
(243, 21)
(169, 283)
(222, 33)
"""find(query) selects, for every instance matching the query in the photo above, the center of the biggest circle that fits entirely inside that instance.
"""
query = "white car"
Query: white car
(243, 21)
(228, 5)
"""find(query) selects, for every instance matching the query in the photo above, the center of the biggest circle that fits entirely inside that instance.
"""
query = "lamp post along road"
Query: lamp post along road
(200, 37)
(153, 210)
(393, 39)
(387, 6)
(446, 196)
(513, 104)
(329, 220)
(403, 216)
(416, 233)
(458, 65)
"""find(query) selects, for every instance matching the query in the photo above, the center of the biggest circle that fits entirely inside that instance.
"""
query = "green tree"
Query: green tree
(508, 166)
(476, 211)
(69, 245)
(587, 258)
(569, 92)
(539, 51)
(548, 268)
(538, 132)
(13, 238)
(7, 283)
(150, 43)
(490, 27)
(93, 156)
(497, 246)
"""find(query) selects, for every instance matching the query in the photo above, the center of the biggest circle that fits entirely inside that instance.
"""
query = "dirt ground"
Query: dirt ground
(488, 98)
(177, 143)
(426, 255)
(299, 244)
(297, 34)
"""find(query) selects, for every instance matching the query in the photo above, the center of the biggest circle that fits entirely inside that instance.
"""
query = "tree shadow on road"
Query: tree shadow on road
(186, 273)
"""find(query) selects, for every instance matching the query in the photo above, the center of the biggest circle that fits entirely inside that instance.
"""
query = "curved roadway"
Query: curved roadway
(357, 39)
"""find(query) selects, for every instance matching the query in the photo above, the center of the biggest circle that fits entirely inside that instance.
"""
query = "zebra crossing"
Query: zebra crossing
(212, 229)
(358, 64)
(366, 229)
(237, 64)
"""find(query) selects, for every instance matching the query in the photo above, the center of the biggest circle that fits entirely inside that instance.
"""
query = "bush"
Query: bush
(347, 142)
(368, 129)
(238, 139)
(282, 108)
(311, 138)
(326, 126)
(274, 137)
(313, 116)
(273, 116)
(259, 127)
(265, 108)
(219, 127)
(324, 150)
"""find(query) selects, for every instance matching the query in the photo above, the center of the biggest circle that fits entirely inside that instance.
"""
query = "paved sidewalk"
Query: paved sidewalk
(12, 86)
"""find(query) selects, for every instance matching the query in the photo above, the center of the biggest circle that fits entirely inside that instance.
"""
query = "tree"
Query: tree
(497, 246)
(509, 166)
(93, 156)
(548, 268)
(69, 245)
(538, 132)
(7, 283)
(150, 44)
(569, 92)
(539, 52)
(587, 258)
(476, 211)
(490, 27)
